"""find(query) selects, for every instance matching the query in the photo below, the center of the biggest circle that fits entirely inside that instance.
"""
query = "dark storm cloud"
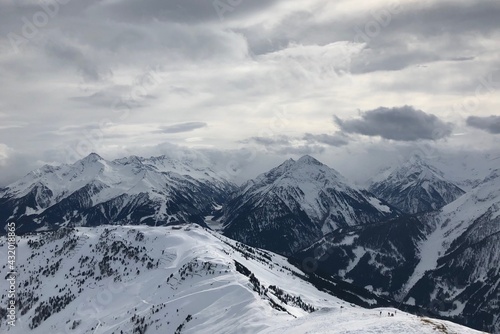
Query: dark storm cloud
(399, 123)
(490, 124)
(182, 127)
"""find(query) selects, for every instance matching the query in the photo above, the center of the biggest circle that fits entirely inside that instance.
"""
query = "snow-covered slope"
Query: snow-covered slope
(415, 187)
(460, 258)
(132, 190)
(445, 261)
(184, 279)
(294, 204)
(362, 321)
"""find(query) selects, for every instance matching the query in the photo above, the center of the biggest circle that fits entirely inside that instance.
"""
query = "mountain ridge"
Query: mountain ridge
(303, 194)
(176, 279)
(303, 209)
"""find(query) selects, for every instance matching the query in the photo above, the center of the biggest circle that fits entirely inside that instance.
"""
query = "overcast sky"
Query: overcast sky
(349, 82)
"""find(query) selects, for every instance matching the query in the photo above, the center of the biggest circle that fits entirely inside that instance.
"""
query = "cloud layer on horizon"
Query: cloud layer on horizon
(126, 77)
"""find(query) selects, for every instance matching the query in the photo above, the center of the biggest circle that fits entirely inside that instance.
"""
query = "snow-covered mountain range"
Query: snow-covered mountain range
(115, 279)
(94, 191)
(424, 236)
(296, 203)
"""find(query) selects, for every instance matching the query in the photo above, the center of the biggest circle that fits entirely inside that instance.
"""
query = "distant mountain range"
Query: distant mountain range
(414, 235)
(94, 191)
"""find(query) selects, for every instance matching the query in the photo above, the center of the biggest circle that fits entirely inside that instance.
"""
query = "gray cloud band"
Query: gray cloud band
(182, 127)
(399, 123)
(490, 124)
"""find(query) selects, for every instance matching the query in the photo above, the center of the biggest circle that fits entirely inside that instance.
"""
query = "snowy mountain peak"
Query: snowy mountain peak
(416, 159)
(306, 170)
(416, 167)
(415, 186)
(308, 160)
(298, 202)
(92, 157)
